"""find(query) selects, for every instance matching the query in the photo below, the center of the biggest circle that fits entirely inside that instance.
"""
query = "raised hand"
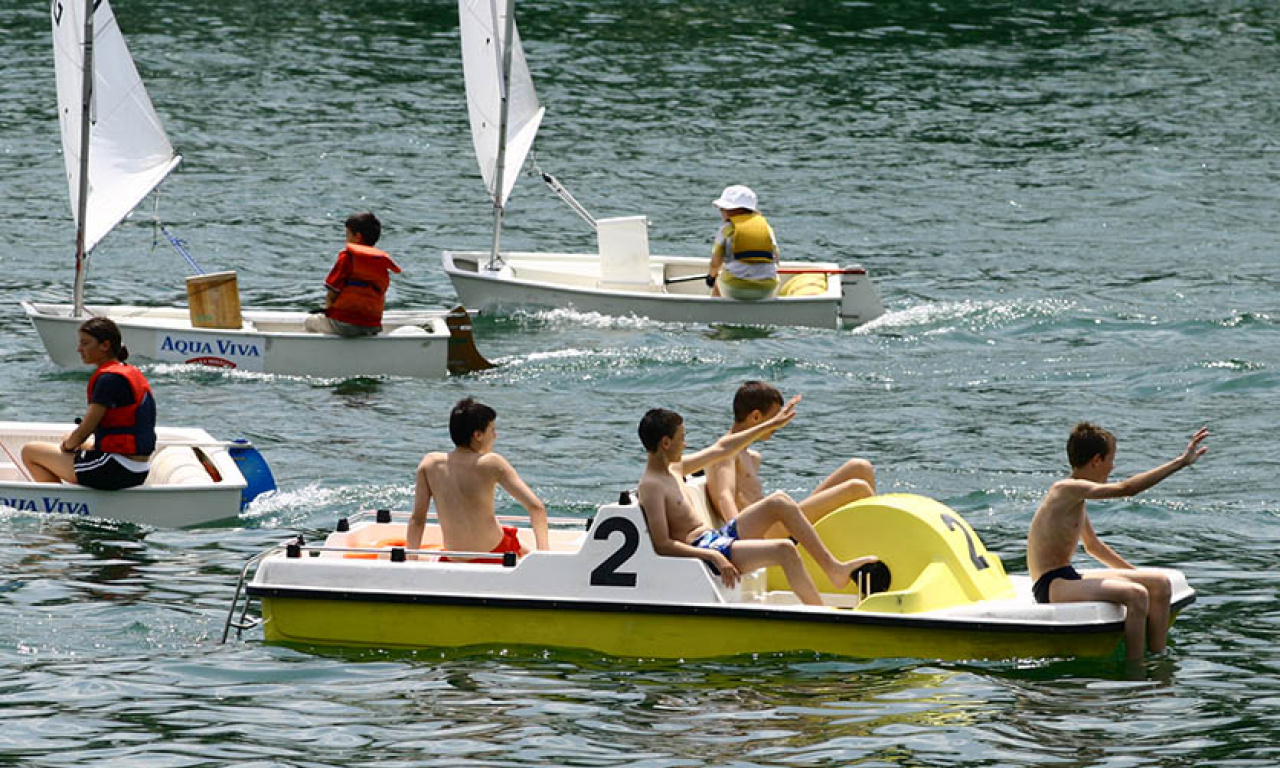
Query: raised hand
(1194, 448)
(784, 416)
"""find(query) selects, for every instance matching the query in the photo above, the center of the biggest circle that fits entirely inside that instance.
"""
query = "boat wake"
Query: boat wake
(941, 317)
(207, 373)
(297, 507)
(564, 316)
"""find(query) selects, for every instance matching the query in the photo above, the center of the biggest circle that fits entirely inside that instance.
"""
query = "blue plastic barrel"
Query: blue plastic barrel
(257, 475)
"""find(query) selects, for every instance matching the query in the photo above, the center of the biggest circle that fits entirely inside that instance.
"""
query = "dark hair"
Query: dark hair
(1086, 441)
(105, 329)
(657, 424)
(467, 418)
(755, 396)
(366, 225)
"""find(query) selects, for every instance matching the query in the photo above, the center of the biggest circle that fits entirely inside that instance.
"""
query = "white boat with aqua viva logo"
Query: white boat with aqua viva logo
(420, 344)
(195, 479)
(940, 594)
(116, 153)
(621, 278)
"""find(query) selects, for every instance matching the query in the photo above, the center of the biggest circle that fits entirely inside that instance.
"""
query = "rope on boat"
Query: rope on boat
(178, 244)
(554, 184)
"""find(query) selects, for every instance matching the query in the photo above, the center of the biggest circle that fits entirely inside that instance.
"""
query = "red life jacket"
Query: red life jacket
(128, 429)
(363, 292)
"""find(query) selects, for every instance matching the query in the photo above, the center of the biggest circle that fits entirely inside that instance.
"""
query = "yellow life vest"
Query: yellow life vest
(749, 238)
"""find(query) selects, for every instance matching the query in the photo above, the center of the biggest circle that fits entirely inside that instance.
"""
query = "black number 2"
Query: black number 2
(606, 574)
(979, 562)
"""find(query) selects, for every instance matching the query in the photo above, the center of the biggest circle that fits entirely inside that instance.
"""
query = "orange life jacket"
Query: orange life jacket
(128, 429)
(363, 293)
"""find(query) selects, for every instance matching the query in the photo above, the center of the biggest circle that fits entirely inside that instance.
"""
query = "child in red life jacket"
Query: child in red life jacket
(357, 284)
(121, 418)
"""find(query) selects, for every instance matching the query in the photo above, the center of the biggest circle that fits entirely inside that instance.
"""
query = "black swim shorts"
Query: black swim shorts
(1041, 588)
(109, 471)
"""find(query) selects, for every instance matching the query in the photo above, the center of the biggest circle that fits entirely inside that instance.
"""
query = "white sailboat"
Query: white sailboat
(116, 152)
(621, 278)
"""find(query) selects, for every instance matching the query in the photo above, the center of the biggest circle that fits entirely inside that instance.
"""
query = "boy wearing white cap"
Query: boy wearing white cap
(744, 259)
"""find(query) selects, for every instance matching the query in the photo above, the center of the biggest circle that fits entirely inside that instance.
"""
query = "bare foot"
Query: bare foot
(843, 574)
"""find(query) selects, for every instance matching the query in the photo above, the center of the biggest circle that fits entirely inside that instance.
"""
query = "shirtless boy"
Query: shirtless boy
(1061, 523)
(735, 485)
(462, 482)
(740, 546)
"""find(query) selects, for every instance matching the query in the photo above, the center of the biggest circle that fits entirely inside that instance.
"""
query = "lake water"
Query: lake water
(1069, 210)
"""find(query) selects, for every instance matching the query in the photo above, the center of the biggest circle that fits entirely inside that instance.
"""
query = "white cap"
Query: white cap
(736, 196)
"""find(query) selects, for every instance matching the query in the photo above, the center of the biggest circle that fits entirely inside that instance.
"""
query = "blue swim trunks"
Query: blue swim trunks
(720, 540)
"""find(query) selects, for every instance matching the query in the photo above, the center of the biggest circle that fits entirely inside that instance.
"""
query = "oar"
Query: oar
(784, 271)
(198, 444)
(687, 279)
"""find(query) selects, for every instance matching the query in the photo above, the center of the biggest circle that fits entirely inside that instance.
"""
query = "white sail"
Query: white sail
(129, 153)
(482, 23)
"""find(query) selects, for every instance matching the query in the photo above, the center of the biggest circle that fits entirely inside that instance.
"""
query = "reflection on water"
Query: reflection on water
(358, 392)
(737, 332)
(71, 559)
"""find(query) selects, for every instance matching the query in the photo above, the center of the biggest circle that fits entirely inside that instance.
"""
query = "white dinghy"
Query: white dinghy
(195, 479)
(621, 278)
(116, 152)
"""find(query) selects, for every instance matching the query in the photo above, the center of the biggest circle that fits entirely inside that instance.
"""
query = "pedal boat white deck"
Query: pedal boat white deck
(603, 588)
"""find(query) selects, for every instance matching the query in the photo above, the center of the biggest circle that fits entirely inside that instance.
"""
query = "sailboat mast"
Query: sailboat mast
(82, 198)
(508, 31)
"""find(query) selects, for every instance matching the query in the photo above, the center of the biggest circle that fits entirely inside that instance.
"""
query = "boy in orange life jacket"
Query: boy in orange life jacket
(357, 285)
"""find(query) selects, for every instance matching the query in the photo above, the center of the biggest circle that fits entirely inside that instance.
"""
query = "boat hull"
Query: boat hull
(552, 281)
(193, 499)
(657, 631)
(412, 344)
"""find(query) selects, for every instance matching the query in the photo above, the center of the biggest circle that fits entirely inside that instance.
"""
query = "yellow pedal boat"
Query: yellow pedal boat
(601, 587)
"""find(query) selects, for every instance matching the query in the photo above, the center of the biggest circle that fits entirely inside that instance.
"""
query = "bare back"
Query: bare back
(462, 484)
(1055, 531)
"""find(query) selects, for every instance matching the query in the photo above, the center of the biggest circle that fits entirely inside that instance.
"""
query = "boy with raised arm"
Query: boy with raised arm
(734, 485)
(1061, 523)
(739, 546)
(463, 481)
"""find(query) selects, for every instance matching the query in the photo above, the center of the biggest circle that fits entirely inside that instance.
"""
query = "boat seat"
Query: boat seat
(10, 472)
(556, 276)
(935, 559)
(177, 466)
(701, 502)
